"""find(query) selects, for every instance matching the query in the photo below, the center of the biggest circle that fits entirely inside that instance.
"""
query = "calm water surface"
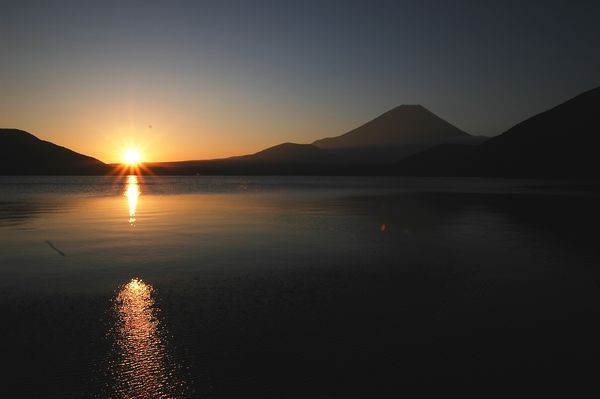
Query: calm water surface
(167, 287)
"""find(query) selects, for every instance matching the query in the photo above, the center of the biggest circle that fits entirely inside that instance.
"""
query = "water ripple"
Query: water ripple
(142, 365)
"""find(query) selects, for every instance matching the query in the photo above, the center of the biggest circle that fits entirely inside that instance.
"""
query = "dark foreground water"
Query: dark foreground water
(169, 287)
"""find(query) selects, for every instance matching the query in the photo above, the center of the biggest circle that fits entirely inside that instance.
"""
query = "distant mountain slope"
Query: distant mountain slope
(441, 160)
(369, 149)
(402, 126)
(282, 159)
(560, 142)
(408, 140)
(286, 152)
(22, 153)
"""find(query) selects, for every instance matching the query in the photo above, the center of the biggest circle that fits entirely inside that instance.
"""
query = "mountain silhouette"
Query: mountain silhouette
(286, 152)
(561, 142)
(408, 140)
(401, 126)
(441, 160)
(402, 131)
(395, 134)
(22, 153)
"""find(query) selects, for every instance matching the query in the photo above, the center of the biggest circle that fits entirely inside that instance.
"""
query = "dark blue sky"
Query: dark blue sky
(223, 77)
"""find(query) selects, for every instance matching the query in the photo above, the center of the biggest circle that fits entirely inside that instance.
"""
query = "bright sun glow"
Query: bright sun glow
(132, 157)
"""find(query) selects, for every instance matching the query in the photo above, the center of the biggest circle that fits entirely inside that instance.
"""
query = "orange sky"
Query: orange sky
(171, 131)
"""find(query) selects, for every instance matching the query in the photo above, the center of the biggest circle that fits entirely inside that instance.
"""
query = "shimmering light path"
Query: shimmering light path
(143, 369)
(132, 192)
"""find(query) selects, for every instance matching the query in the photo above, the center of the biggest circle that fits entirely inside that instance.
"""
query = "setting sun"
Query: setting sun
(132, 157)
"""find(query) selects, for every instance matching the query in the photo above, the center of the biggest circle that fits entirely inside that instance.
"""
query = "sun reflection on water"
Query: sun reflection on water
(144, 368)
(132, 192)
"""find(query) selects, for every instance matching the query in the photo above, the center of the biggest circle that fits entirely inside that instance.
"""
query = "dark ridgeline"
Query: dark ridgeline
(407, 140)
(401, 126)
(368, 149)
(282, 159)
(400, 132)
(441, 160)
(22, 153)
(559, 143)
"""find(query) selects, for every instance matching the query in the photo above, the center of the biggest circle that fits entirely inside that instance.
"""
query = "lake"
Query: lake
(162, 287)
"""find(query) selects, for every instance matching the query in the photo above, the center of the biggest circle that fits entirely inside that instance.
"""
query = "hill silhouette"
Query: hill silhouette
(393, 135)
(22, 153)
(285, 159)
(561, 142)
(409, 140)
(368, 149)
(401, 126)
(286, 152)
(441, 160)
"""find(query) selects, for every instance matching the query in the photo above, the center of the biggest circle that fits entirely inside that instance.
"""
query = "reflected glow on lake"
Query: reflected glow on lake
(143, 369)
(291, 286)
(132, 192)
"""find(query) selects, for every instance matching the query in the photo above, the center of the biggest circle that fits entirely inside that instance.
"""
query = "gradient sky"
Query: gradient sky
(220, 78)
